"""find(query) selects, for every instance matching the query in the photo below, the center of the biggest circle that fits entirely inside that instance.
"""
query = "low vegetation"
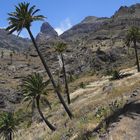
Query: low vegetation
(7, 125)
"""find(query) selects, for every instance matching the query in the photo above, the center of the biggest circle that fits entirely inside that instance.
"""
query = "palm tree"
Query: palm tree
(22, 18)
(7, 126)
(60, 48)
(34, 89)
(133, 35)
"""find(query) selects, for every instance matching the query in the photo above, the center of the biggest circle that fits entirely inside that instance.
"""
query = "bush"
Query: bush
(82, 85)
(101, 113)
(116, 75)
(116, 105)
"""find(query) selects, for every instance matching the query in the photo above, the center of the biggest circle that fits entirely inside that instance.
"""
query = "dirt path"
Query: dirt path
(128, 127)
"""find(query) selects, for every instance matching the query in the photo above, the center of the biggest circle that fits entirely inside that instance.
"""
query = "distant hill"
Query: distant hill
(13, 42)
(92, 28)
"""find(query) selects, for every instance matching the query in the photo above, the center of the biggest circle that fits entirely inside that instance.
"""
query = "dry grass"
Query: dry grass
(84, 103)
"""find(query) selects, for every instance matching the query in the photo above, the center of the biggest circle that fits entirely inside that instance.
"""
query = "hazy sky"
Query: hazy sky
(62, 14)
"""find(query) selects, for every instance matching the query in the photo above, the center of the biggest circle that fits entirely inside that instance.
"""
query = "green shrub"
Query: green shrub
(101, 113)
(116, 75)
(82, 85)
(116, 105)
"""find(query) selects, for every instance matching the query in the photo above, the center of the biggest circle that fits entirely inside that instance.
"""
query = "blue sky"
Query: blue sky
(62, 14)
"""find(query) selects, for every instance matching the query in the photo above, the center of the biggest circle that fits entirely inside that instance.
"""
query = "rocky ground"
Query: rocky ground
(86, 100)
(89, 92)
(128, 125)
(11, 75)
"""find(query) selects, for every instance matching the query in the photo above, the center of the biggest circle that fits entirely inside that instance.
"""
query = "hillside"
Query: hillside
(12, 42)
(102, 77)
(97, 93)
(85, 38)
(102, 28)
(90, 95)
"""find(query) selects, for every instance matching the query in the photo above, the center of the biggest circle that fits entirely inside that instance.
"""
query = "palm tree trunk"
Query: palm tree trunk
(49, 74)
(9, 136)
(41, 114)
(136, 54)
(65, 78)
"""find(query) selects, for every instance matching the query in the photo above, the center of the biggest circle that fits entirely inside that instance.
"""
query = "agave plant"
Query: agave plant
(34, 89)
(7, 126)
(22, 18)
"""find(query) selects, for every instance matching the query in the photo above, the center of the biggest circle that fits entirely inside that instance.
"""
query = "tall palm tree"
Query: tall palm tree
(7, 126)
(33, 89)
(133, 35)
(60, 48)
(23, 17)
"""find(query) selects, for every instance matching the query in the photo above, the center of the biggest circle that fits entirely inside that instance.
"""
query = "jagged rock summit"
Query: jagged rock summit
(46, 28)
(128, 12)
(46, 32)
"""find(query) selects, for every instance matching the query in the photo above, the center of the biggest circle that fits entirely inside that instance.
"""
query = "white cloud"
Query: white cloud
(59, 30)
(64, 25)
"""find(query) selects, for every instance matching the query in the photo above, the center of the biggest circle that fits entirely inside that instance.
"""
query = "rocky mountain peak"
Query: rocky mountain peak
(46, 32)
(47, 29)
(127, 12)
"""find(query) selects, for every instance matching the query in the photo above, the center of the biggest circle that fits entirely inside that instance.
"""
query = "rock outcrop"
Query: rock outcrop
(46, 32)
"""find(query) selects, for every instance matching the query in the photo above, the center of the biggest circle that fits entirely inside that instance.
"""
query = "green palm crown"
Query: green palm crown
(22, 17)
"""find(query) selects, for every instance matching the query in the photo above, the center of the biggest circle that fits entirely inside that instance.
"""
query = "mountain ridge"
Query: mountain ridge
(13, 42)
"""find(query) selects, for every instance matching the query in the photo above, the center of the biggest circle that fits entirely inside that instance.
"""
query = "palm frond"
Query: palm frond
(60, 47)
(22, 17)
(7, 124)
(32, 86)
